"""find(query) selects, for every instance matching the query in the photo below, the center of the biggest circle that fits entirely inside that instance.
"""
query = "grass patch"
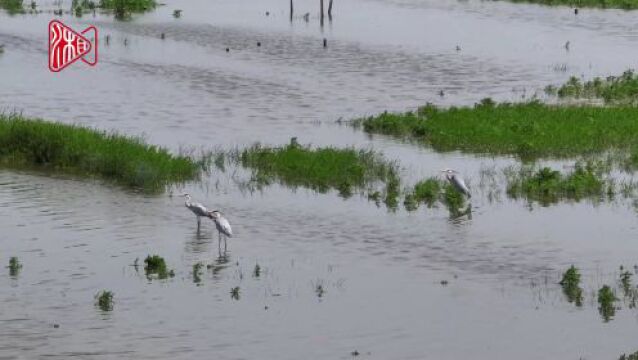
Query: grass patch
(604, 4)
(606, 300)
(128, 161)
(104, 300)
(197, 273)
(155, 266)
(323, 169)
(12, 7)
(122, 9)
(433, 190)
(14, 266)
(571, 286)
(633, 356)
(621, 89)
(548, 186)
(235, 293)
(529, 130)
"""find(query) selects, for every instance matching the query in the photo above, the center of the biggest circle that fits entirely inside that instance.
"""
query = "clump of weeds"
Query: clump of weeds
(14, 266)
(104, 300)
(197, 272)
(234, 293)
(606, 302)
(571, 286)
(155, 266)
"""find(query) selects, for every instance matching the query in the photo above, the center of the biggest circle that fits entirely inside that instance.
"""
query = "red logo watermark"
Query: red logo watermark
(66, 46)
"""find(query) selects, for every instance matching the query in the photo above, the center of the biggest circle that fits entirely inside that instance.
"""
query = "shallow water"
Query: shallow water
(381, 271)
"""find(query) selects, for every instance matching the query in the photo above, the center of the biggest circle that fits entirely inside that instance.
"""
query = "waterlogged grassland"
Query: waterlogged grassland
(322, 169)
(84, 151)
(12, 6)
(547, 186)
(612, 4)
(615, 90)
(528, 130)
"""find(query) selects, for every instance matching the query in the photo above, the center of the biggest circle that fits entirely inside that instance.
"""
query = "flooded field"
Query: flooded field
(338, 278)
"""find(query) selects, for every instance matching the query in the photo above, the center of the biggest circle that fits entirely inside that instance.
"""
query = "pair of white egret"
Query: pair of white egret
(225, 231)
(221, 223)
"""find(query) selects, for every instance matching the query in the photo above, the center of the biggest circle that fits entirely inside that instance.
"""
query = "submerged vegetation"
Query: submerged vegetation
(197, 273)
(122, 9)
(606, 302)
(633, 356)
(79, 150)
(621, 89)
(548, 186)
(322, 169)
(12, 6)
(611, 4)
(14, 266)
(528, 130)
(155, 266)
(104, 300)
(571, 286)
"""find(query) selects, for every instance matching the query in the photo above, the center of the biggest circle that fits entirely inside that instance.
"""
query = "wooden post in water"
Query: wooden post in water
(321, 10)
(291, 10)
(330, 10)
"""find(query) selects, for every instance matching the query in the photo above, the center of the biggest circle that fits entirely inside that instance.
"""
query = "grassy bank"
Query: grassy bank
(322, 169)
(529, 130)
(79, 150)
(618, 90)
(604, 4)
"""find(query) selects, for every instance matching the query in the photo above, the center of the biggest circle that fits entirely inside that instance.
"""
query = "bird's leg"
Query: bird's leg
(199, 222)
(225, 243)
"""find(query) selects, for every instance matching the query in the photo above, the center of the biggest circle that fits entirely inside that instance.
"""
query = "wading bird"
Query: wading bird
(457, 182)
(198, 209)
(222, 225)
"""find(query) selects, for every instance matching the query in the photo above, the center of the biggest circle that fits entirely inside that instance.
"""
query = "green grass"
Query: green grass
(104, 300)
(606, 302)
(128, 161)
(14, 266)
(633, 356)
(155, 266)
(528, 130)
(323, 169)
(621, 89)
(122, 9)
(548, 186)
(427, 191)
(571, 286)
(605, 4)
(12, 6)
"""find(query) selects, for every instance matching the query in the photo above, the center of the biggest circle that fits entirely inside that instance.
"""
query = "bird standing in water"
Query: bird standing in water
(198, 209)
(457, 182)
(222, 225)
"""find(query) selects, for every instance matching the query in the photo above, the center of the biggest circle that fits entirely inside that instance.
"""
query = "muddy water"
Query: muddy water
(380, 272)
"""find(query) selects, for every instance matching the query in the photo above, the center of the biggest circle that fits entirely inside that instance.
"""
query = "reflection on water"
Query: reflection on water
(377, 275)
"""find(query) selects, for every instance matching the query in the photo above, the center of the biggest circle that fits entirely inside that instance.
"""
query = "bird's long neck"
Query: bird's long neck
(188, 200)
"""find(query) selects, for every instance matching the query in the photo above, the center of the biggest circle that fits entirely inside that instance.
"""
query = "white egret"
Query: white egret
(222, 225)
(457, 182)
(198, 209)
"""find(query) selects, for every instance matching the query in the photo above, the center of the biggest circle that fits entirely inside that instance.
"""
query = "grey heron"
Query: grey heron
(198, 209)
(222, 225)
(457, 182)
